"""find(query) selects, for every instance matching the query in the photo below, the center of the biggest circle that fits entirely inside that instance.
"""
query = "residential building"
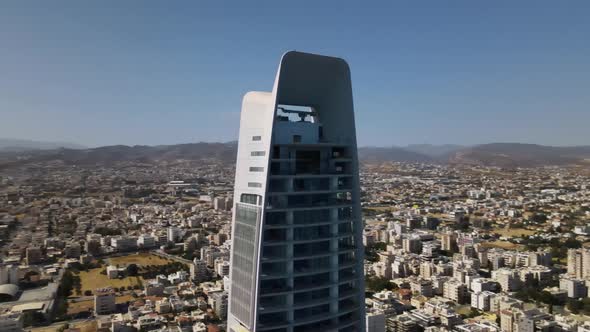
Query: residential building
(104, 301)
(375, 322)
(11, 322)
(576, 288)
(297, 258)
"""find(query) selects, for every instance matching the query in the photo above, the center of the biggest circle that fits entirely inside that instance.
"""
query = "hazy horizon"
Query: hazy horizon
(466, 73)
(75, 145)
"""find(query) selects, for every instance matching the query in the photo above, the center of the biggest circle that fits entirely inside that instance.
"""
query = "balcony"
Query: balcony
(275, 303)
(311, 224)
(312, 285)
(347, 263)
(312, 233)
(273, 270)
(273, 321)
(342, 294)
(308, 192)
(305, 266)
(271, 304)
(287, 168)
(308, 314)
(273, 287)
(346, 277)
(306, 256)
(279, 240)
(273, 252)
(310, 201)
(324, 322)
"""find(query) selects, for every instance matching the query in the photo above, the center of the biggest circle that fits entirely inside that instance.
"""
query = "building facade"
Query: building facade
(297, 255)
(11, 322)
(104, 301)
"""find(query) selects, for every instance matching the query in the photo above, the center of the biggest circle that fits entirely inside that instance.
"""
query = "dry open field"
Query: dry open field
(80, 306)
(502, 244)
(93, 279)
(510, 232)
(380, 209)
(54, 328)
(125, 299)
(75, 307)
(141, 259)
(88, 326)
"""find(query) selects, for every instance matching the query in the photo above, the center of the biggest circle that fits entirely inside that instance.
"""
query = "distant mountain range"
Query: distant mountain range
(495, 154)
(108, 155)
(19, 145)
(521, 155)
(435, 151)
(508, 155)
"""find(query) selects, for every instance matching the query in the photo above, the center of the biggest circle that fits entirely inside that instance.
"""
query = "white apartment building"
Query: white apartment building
(576, 288)
(578, 263)
(454, 290)
(146, 241)
(482, 300)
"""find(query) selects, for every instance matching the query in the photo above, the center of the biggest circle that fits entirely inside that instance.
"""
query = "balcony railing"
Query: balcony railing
(315, 203)
(309, 256)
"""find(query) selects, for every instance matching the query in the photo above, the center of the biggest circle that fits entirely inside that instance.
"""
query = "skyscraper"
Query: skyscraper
(297, 254)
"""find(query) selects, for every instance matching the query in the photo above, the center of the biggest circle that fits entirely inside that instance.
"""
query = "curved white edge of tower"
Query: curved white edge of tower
(297, 253)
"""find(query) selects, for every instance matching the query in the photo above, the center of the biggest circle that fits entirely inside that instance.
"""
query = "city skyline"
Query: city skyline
(115, 73)
(211, 167)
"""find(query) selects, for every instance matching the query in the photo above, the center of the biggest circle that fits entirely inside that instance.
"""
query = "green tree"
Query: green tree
(377, 284)
(132, 270)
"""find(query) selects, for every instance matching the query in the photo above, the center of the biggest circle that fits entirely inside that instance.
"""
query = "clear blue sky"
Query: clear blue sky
(144, 72)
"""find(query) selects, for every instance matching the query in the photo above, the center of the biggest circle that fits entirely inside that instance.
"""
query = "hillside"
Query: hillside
(443, 151)
(392, 154)
(108, 155)
(495, 154)
(19, 145)
(521, 155)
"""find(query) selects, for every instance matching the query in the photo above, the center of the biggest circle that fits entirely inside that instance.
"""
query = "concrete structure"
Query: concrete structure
(146, 241)
(73, 250)
(375, 322)
(578, 263)
(173, 234)
(104, 301)
(8, 291)
(9, 274)
(218, 301)
(198, 271)
(124, 243)
(297, 258)
(481, 300)
(33, 255)
(221, 267)
(576, 288)
(507, 278)
(154, 288)
(422, 287)
(11, 322)
(455, 290)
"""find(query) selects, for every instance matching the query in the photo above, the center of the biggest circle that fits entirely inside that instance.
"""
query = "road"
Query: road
(175, 258)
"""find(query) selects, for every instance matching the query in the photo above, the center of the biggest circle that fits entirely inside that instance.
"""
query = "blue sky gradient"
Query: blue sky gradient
(159, 72)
